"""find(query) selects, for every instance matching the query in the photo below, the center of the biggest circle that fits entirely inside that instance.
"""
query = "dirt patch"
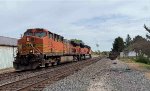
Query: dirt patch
(135, 66)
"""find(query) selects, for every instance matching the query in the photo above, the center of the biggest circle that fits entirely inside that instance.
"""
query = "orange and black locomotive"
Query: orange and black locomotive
(41, 48)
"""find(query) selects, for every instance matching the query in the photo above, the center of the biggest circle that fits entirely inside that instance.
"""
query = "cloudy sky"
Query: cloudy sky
(93, 21)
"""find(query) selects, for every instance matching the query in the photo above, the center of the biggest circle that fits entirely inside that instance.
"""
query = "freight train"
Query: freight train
(113, 55)
(41, 48)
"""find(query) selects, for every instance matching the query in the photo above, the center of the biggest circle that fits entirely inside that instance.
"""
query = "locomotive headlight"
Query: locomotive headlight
(31, 51)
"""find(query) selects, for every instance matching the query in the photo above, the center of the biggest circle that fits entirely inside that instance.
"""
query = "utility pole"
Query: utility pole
(97, 45)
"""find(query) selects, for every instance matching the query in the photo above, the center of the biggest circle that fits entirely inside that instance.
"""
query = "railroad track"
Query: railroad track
(15, 76)
(40, 80)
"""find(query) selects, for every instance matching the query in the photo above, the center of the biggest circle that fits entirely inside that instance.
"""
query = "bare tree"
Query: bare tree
(141, 45)
(147, 29)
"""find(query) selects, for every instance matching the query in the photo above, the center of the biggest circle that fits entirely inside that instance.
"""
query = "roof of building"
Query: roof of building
(6, 41)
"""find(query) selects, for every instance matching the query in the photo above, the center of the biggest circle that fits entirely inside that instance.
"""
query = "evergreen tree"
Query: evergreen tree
(118, 45)
(128, 41)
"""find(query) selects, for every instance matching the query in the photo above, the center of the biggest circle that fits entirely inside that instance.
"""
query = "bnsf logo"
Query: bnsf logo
(31, 45)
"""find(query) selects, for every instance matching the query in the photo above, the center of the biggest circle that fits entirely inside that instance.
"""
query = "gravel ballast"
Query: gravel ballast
(105, 75)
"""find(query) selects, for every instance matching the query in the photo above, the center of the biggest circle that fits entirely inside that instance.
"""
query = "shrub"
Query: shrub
(142, 59)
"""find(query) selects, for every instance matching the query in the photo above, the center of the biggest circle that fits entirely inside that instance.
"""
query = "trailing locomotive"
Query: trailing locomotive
(41, 48)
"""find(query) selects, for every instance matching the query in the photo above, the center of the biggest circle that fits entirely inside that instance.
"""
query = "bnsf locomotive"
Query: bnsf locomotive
(41, 48)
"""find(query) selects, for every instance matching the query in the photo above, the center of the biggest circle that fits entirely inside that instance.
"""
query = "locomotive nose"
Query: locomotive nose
(33, 45)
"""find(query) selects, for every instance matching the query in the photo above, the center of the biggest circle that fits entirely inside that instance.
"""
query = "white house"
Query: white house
(129, 54)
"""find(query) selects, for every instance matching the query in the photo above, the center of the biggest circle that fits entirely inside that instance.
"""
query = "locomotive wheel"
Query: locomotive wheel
(75, 58)
(90, 56)
(58, 62)
(54, 63)
(79, 58)
(38, 67)
(46, 64)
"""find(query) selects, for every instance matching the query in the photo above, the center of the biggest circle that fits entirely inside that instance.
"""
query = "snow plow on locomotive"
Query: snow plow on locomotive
(41, 48)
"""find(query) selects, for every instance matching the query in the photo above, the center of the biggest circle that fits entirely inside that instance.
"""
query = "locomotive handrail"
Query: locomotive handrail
(35, 48)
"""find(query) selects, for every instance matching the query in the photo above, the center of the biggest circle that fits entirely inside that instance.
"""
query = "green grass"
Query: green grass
(134, 60)
(143, 65)
(128, 60)
(142, 59)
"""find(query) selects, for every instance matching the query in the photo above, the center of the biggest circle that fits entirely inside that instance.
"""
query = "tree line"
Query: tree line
(138, 44)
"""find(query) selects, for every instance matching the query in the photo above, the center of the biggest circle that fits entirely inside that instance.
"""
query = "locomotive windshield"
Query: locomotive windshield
(40, 34)
(28, 34)
(35, 32)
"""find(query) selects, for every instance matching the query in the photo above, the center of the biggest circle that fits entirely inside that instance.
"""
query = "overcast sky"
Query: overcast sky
(93, 21)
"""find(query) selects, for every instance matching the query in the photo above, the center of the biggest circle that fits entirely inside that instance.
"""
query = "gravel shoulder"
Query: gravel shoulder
(105, 75)
(144, 68)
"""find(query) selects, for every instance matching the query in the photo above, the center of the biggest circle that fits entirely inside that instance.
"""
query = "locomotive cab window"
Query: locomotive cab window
(28, 34)
(61, 38)
(50, 35)
(40, 34)
(55, 37)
